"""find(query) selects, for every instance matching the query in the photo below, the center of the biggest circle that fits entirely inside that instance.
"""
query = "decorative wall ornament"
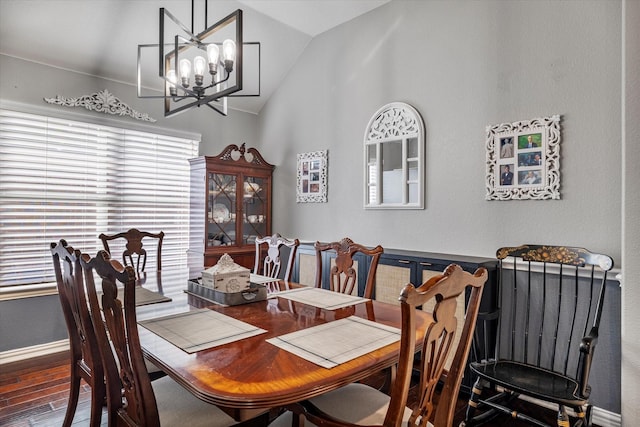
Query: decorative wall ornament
(103, 102)
(394, 120)
(523, 160)
(394, 158)
(312, 177)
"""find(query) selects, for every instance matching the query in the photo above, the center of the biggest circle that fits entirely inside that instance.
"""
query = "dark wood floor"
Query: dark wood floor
(35, 394)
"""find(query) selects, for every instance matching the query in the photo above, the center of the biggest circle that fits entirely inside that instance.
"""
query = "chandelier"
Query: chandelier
(196, 69)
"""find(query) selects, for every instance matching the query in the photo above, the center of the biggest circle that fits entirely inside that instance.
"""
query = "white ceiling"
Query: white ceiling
(100, 37)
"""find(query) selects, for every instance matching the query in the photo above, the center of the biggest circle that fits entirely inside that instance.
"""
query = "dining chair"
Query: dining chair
(132, 398)
(343, 277)
(273, 260)
(361, 404)
(550, 304)
(134, 248)
(83, 347)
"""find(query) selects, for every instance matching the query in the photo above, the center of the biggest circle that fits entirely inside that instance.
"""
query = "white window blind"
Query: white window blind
(74, 180)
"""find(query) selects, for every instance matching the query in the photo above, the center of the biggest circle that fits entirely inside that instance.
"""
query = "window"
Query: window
(394, 158)
(74, 180)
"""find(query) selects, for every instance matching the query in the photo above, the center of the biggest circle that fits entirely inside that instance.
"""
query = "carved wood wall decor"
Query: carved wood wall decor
(102, 102)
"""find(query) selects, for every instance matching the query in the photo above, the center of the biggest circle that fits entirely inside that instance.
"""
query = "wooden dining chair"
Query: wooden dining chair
(343, 277)
(550, 304)
(134, 253)
(273, 260)
(83, 346)
(361, 404)
(132, 398)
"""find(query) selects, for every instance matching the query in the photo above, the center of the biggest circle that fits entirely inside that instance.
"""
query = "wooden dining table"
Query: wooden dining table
(250, 376)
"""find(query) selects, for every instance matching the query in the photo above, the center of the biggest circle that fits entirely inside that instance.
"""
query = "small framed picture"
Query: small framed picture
(523, 160)
(312, 177)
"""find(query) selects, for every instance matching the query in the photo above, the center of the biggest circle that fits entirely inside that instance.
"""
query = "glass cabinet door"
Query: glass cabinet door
(254, 207)
(221, 209)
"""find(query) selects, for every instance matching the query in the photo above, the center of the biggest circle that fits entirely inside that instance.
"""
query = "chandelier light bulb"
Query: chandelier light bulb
(213, 54)
(228, 54)
(199, 64)
(185, 71)
(171, 84)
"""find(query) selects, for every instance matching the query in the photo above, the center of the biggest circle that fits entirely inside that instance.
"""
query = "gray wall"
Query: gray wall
(463, 65)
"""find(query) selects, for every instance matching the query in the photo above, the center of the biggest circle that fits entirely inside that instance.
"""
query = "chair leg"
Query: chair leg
(74, 392)
(297, 420)
(584, 417)
(476, 392)
(98, 400)
(581, 417)
(563, 418)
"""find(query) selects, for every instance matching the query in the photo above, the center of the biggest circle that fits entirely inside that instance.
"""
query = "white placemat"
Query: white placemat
(322, 298)
(145, 296)
(200, 329)
(258, 278)
(337, 342)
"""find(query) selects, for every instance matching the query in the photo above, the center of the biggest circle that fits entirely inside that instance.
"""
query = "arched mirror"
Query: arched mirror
(394, 147)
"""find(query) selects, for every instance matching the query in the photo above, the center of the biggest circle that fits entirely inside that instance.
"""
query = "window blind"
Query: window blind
(74, 180)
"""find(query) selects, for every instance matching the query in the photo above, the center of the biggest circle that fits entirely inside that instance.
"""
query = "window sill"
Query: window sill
(28, 291)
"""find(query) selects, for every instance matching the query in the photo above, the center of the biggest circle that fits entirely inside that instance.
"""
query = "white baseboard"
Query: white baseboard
(599, 416)
(25, 353)
(605, 418)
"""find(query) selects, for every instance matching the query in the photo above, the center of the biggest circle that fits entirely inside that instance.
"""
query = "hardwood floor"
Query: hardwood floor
(34, 394)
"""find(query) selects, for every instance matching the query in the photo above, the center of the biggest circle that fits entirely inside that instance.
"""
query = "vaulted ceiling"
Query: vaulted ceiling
(100, 37)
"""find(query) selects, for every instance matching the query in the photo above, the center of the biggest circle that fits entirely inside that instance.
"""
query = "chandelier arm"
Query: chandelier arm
(218, 82)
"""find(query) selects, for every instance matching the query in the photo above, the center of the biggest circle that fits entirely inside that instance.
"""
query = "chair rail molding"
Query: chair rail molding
(102, 102)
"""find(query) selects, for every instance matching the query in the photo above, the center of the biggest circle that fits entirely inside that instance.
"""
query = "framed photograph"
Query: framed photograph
(523, 160)
(312, 177)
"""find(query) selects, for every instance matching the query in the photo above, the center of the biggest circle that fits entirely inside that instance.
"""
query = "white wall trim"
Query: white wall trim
(27, 291)
(600, 416)
(25, 353)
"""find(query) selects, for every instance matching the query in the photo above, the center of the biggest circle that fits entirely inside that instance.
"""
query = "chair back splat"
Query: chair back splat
(343, 277)
(84, 355)
(550, 305)
(273, 260)
(134, 253)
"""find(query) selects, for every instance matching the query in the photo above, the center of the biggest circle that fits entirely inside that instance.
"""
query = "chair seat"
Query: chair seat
(178, 407)
(534, 381)
(354, 403)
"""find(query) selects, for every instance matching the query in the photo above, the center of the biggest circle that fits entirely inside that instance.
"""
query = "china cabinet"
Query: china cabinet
(230, 205)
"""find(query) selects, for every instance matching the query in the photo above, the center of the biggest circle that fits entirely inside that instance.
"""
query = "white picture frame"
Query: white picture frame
(523, 160)
(312, 177)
